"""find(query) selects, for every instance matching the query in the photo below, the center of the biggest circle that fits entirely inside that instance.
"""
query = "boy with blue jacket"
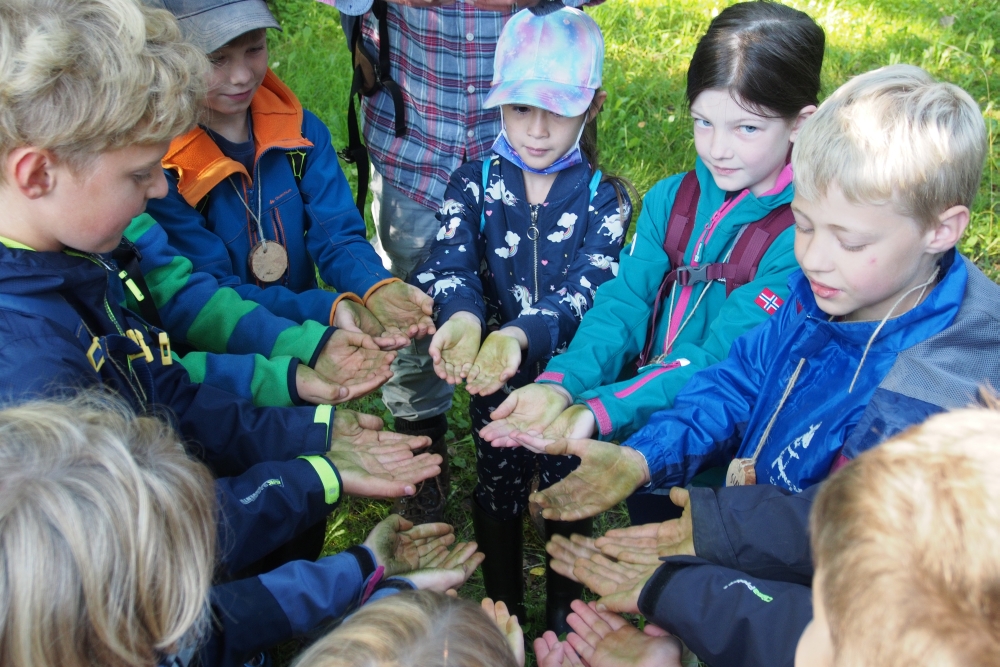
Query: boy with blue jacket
(257, 198)
(73, 176)
(879, 208)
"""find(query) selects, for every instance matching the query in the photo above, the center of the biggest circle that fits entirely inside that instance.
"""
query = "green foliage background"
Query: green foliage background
(645, 135)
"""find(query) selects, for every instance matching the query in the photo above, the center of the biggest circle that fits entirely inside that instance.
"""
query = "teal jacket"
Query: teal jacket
(702, 322)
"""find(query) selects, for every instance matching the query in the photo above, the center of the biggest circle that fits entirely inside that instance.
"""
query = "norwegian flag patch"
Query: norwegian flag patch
(769, 301)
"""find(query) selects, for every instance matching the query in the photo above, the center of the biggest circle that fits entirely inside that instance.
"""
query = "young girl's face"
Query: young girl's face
(744, 151)
(540, 137)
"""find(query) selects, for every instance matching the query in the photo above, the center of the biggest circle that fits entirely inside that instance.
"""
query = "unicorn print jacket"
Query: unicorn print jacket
(535, 267)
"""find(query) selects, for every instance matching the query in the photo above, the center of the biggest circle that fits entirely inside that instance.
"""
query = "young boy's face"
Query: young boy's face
(90, 210)
(815, 648)
(861, 258)
(238, 69)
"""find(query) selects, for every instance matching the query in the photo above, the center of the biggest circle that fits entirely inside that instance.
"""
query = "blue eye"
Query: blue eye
(749, 129)
(701, 122)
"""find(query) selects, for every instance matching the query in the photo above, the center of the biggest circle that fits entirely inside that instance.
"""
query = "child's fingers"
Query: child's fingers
(614, 621)
(580, 644)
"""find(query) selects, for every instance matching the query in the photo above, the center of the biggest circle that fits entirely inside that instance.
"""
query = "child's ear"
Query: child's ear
(31, 170)
(803, 116)
(951, 225)
(596, 104)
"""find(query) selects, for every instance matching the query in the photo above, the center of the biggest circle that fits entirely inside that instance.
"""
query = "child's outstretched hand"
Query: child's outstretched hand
(511, 629)
(604, 639)
(350, 359)
(497, 361)
(550, 652)
(529, 409)
(447, 570)
(454, 346)
(351, 316)
(399, 546)
(646, 544)
(402, 308)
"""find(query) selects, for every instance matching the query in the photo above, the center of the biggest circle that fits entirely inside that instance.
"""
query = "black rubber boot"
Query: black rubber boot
(560, 591)
(503, 569)
(427, 504)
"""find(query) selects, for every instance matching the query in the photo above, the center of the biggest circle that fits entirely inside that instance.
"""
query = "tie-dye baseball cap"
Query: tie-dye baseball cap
(553, 62)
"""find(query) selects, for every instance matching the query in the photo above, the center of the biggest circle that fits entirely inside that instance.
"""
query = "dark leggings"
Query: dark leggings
(505, 473)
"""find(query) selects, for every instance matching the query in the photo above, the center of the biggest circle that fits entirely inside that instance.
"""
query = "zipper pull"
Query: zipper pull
(533, 230)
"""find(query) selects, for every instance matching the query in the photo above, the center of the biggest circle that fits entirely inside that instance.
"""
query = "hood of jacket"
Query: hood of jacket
(199, 163)
(30, 273)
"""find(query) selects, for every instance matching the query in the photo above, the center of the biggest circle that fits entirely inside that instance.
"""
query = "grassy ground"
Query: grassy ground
(645, 135)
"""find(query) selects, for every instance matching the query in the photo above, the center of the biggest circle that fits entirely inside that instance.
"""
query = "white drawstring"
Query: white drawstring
(923, 288)
(774, 417)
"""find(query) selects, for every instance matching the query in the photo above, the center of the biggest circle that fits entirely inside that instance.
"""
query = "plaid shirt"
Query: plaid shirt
(442, 59)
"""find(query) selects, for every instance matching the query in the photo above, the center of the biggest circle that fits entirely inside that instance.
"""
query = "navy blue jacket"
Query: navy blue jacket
(541, 281)
(759, 534)
(272, 496)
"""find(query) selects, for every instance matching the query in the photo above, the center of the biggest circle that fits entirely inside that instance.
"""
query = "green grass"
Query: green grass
(645, 135)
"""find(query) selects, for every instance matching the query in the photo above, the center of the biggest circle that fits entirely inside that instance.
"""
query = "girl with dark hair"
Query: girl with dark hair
(712, 250)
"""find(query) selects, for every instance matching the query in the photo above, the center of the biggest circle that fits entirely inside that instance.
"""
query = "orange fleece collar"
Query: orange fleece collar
(200, 165)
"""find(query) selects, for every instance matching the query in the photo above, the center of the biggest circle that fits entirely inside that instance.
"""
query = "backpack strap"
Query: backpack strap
(752, 245)
(369, 76)
(680, 225)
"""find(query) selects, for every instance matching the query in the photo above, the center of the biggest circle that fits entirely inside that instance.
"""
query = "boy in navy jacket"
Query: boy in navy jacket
(74, 174)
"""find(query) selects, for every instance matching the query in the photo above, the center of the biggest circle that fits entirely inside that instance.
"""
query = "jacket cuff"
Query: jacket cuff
(539, 338)
(365, 558)
(601, 417)
(324, 339)
(457, 304)
(350, 296)
(293, 389)
(373, 288)
(328, 476)
(657, 584)
(708, 528)
(556, 372)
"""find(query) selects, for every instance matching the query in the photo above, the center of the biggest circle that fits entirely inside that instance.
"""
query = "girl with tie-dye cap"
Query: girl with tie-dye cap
(526, 238)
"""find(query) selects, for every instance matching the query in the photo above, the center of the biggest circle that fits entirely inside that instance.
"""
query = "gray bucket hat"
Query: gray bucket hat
(211, 24)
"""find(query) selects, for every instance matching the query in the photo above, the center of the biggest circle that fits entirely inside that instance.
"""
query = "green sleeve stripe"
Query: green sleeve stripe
(215, 323)
(194, 364)
(139, 226)
(301, 341)
(269, 385)
(327, 476)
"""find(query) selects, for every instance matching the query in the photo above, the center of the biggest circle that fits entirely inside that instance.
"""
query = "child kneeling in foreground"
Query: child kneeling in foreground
(885, 173)
(904, 540)
(108, 544)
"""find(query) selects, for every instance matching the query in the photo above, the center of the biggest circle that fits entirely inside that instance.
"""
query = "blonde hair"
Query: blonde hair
(107, 537)
(905, 542)
(894, 135)
(413, 629)
(82, 77)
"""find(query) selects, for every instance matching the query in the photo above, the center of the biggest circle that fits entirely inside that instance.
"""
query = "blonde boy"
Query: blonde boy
(884, 325)
(91, 92)
(905, 543)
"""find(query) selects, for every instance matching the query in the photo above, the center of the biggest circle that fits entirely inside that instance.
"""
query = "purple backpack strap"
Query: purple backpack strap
(680, 224)
(750, 248)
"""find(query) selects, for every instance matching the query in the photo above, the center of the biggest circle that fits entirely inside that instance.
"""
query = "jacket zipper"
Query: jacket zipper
(533, 237)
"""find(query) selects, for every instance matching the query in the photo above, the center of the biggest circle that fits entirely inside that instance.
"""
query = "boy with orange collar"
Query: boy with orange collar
(258, 200)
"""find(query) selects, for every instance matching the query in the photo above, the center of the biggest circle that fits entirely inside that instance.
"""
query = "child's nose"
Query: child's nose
(719, 148)
(538, 126)
(240, 73)
(158, 188)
